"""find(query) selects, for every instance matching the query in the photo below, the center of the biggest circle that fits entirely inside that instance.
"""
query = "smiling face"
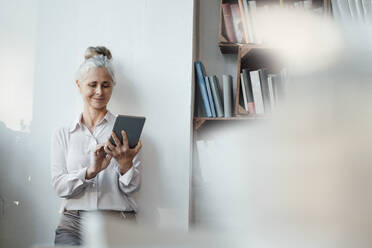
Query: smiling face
(96, 88)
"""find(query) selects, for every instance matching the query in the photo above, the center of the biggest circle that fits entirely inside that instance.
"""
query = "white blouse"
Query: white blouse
(71, 155)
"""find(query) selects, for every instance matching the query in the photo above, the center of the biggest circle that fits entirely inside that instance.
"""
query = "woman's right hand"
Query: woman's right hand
(100, 162)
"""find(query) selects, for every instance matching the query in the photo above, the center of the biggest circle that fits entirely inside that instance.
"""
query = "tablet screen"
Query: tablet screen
(132, 125)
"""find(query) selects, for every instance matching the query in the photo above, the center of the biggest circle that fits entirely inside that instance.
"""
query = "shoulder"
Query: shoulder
(60, 134)
(61, 130)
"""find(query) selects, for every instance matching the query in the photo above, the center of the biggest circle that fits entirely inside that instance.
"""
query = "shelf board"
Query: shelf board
(232, 48)
(199, 121)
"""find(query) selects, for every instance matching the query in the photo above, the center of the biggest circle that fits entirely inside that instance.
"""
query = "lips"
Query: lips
(98, 99)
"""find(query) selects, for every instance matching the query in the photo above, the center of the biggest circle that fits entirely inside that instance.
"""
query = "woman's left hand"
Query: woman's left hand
(122, 152)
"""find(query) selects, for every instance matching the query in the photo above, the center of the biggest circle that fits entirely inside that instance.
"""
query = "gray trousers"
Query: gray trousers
(69, 230)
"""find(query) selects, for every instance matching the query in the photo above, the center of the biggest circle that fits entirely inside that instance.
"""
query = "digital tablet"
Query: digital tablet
(132, 125)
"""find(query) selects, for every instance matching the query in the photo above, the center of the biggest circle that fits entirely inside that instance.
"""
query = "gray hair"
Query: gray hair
(96, 57)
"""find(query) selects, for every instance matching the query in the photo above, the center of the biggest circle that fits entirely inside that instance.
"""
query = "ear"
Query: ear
(77, 83)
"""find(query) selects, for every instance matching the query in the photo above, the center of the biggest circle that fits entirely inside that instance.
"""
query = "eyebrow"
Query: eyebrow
(104, 82)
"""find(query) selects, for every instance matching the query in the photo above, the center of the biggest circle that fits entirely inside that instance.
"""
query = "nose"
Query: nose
(99, 90)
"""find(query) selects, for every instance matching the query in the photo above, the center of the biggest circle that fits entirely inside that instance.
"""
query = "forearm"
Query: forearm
(91, 173)
(124, 168)
(130, 181)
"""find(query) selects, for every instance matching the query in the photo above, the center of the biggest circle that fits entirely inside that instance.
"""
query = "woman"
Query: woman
(88, 171)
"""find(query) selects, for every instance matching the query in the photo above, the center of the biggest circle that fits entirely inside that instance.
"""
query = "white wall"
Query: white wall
(151, 42)
(215, 63)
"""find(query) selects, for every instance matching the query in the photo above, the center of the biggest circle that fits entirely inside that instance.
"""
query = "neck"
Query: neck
(91, 117)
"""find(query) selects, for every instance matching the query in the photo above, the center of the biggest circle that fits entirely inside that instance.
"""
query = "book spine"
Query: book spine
(203, 87)
(367, 9)
(282, 81)
(253, 11)
(307, 4)
(257, 94)
(248, 18)
(359, 10)
(227, 95)
(244, 21)
(353, 11)
(344, 10)
(210, 97)
(237, 21)
(336, 10)
(278, 84)
(242, 83)
(274, 79)
(265, 90)
(216, 96)
(227, 18)
(198, 106)
(247, 80)
(271, 90)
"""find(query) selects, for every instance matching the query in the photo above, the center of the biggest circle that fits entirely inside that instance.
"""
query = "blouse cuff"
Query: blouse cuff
(127, 176)
(82, 173)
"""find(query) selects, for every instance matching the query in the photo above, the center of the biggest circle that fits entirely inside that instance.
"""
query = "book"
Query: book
(275, 78)
(271, 90)
(298, 5)
(265, 90)
(227, 95)
(336, 10)
(242, 83)
(248, 18)
(248, 88)
(367, 11)
(216, 96)
(307, 4)
(356, 10)
(210, 97)
(244, 21)
(227, 18)
(341, 10)
(203, 87)
(253, 11)
(279, 88)
(198, 107)
(257, 93)
(237, 23)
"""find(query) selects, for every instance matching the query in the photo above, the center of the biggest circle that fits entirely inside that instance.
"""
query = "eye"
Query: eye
(107, 85)
(92, 85)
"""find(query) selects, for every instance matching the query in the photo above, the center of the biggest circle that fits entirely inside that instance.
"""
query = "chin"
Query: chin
(98, 106)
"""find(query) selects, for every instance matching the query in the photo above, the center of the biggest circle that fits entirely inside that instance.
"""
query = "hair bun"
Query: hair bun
(98, 50)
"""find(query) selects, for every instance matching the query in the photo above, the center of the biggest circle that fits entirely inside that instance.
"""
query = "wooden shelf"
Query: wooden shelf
(233, 48)
(199, 121)
(228, 48)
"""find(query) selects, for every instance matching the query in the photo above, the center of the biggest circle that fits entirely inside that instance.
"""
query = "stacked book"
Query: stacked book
(308, 6)
(262, 91)
(241, 19)
(356, 11)
(210, 100)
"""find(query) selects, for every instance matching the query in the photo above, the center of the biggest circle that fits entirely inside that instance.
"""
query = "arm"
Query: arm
(127, 161)
(66, 183)
(130, 181)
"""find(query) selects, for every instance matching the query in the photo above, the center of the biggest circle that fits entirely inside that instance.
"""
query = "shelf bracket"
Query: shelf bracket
(245, 50)
(198, 124)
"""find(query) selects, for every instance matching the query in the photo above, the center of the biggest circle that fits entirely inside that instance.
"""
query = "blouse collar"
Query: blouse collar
(77, 123)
